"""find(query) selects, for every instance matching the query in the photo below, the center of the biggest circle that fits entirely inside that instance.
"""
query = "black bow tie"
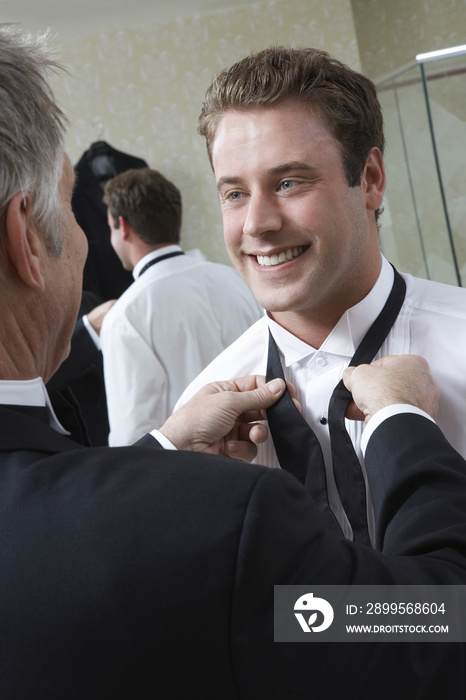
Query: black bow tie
(159, 259)
(297, 447)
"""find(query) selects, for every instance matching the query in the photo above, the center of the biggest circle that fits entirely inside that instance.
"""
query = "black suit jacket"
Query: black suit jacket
(82, 373)
(142, 573)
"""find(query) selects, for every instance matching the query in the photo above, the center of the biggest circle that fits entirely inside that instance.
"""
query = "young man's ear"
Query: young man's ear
(24, 246)
(125, 228)
(373, 179)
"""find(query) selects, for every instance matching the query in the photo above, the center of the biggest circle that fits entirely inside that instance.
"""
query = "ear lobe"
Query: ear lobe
(373, 179)
(24, 245)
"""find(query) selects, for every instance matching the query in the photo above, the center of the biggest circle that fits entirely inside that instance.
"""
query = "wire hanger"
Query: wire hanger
(97, 124)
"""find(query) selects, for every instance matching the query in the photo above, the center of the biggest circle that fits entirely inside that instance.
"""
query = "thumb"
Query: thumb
(347, 376)
(272, 390)
(260, 398)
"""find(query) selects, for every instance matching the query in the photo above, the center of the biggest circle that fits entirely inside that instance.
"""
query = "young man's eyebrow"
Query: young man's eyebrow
(292, 165)
(228, 180)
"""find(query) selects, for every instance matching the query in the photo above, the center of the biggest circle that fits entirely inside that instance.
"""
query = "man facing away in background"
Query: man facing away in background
(179, 313)
(296, 141)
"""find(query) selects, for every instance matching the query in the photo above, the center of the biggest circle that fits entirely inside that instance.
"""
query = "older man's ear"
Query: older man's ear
(23, 243)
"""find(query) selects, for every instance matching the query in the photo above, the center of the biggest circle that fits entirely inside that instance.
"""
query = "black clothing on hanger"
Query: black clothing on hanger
(103, 272)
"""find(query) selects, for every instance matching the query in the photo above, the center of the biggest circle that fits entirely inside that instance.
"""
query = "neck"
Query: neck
(311, 330)
(314, 324)
(18, 361)
(26, 339)
(142, 252)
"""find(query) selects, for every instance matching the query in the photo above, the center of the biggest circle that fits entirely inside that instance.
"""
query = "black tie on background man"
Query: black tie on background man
(141, 572)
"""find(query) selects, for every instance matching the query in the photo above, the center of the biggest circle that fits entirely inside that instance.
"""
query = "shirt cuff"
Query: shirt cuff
(162, 440)
(92, 332)
(388, 412)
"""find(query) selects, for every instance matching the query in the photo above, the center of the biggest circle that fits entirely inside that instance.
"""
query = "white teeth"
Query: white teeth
(284, 256)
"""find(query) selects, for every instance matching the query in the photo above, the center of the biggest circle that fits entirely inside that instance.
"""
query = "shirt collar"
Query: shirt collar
(348, 332)
(29, 392)
(152, 255)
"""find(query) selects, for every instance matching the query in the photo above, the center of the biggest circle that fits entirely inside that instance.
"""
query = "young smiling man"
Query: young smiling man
(296, 142)
(300, 236)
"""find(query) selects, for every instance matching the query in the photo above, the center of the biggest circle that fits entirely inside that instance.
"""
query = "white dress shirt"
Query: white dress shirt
(171, 322)
(431, 323)
(29, 392)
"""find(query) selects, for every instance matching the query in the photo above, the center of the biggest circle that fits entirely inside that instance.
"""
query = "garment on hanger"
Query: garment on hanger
(103, 272)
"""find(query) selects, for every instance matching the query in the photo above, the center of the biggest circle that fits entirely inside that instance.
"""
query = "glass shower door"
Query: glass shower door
(423, 226)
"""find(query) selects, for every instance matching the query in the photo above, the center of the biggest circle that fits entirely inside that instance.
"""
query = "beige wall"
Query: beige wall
(146, 88)
(391, 32)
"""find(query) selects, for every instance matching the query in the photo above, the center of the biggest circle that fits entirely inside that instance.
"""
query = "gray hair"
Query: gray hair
(32, 129)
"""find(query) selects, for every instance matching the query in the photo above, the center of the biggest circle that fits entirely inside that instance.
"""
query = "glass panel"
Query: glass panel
(446, 86)
(414, 234)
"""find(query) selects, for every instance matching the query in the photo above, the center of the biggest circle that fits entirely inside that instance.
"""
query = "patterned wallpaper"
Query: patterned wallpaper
(391, 32)
(146, 88)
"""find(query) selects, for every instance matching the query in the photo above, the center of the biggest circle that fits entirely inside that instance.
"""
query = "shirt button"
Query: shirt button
(321, 361)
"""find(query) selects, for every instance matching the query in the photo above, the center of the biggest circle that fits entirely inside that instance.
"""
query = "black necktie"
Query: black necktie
(298, 449)
(159, 259)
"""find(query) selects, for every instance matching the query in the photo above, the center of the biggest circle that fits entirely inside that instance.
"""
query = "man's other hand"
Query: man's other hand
(395, 379)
